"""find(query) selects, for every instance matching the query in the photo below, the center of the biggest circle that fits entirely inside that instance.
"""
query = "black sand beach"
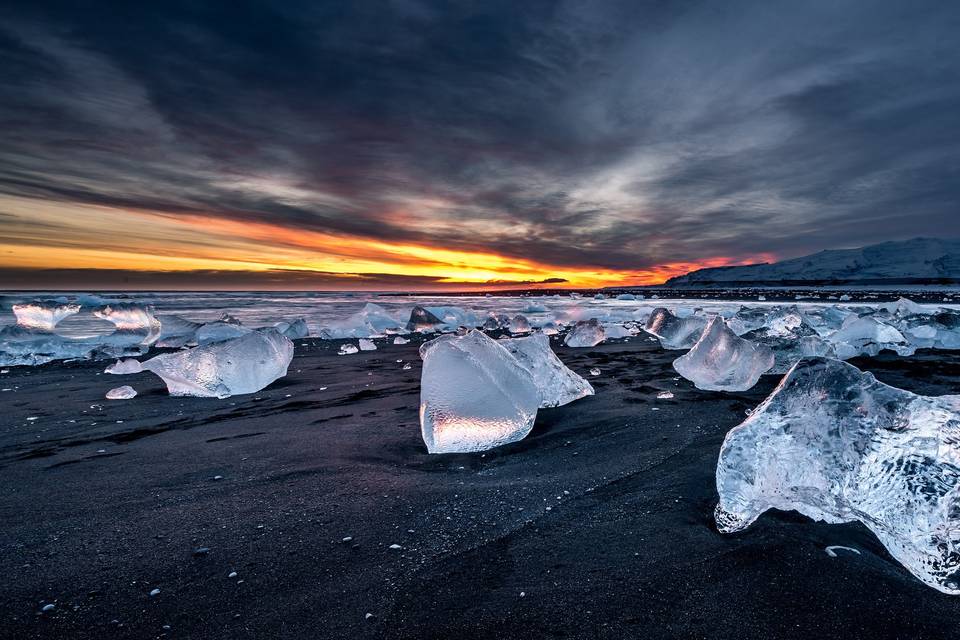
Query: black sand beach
(598, 525)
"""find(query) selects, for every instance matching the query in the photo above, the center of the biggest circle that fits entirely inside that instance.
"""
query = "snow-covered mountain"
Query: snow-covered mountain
(917, 261)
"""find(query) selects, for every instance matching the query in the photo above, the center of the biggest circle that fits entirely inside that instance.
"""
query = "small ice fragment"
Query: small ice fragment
(367, 345)
(347, 349)
(232, 574)
(474, 395)
(395, 546)
(722, 361)
(400, 340)
(48, 607)
(124, 367)
(586, 333)
(832, 550)
(155, 592)
(121, 393)
(407, 366)
(664, 395)
(594, 371)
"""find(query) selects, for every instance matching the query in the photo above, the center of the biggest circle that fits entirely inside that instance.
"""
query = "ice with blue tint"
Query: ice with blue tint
(586, 333)
(131, 319)
(222, 369)
(723, 361)
(556, 383)
(175, 331)
(474, 395)
(43, 315)
(675, 332)
(837, 445)
(867, 335)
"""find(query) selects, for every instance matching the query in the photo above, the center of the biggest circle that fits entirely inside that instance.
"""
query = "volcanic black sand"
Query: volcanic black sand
(598, 525)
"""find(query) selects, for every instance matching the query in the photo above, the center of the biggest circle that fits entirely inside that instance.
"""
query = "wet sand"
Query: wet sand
(598, 525)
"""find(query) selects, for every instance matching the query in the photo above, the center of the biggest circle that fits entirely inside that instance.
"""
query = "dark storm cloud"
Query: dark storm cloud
(615, 135)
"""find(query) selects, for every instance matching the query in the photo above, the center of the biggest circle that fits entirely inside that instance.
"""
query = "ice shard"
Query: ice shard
(557, 384)
(723, 361)
(43, 315)
(222, 369)
(474, 395)
(586, 333)
(367, 345)
(674, 332)
(837, 445)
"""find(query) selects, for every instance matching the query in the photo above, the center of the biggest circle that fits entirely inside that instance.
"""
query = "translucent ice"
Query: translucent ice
(131, 318)
(400, 340)
(175, 331)
(373, 320)
(121, 393)
(674, 332)
(837, 445)
(722, 361)
(221, 369)
(293, 330)
(557, 384)
(496, 321)
(787, 332)
(422, 320)
(868, 336)
(220, 331)
(474, 395)
(347, 349)
(520, 324)
(43, 315)
(586, 333)
(367, 345)
(124, 367)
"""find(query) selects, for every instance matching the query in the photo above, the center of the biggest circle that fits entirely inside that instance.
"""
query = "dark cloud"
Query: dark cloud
(607, 134)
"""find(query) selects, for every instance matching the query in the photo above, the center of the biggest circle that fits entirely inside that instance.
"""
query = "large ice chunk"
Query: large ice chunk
(474, 395)
(241, 365)
(20, 346)
(43, 315)
(837, 445)
(674, 332)
(723, 361)
(557, 384)
(586, 333)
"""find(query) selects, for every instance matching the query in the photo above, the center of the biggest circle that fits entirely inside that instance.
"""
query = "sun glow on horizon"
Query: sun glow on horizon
(106, 238)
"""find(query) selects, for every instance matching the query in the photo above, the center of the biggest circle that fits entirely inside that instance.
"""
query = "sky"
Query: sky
(424, 145)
